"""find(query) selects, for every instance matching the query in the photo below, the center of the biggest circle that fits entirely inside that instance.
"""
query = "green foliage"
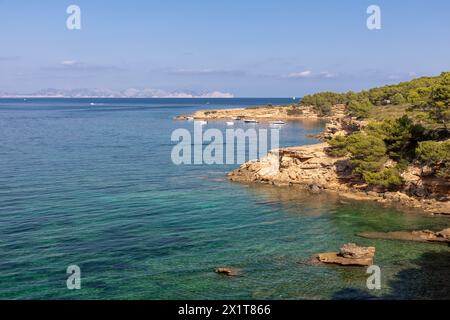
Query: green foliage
(398, 99)
(436, 154)
(429, 94)
(414, 97)
(368, 152)
(440, 104)
(369, 149)
(338, 146)
(403, 139)
(322, 102)
(400, 136)
(434, 100)
(385, 178)
(360, 109)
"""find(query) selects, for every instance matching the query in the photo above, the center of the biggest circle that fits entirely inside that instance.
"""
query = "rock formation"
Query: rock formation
(264, 113)
(420, 236)
(349, 255)
(231, 272)
(312, 168)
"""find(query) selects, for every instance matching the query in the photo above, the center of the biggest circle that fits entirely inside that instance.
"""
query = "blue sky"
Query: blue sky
(250, 48)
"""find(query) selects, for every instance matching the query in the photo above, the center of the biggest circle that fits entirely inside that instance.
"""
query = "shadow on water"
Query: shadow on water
(430, 280)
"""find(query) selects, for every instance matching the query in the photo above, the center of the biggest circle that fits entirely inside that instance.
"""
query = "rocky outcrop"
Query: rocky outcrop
(312, 168)
(349, 255)
(341, 125)
(421, 182)
(308, 166)
(420, 236)
(264, 113)
(231, 272)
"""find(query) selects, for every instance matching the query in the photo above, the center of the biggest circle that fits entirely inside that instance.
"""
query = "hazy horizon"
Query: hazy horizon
(218, 48)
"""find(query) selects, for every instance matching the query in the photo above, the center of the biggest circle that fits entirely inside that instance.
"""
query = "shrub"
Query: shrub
(398, 99)
(436, 154)
(360, 109)
(387, 178)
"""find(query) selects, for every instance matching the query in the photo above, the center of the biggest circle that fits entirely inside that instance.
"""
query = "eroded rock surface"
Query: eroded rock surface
(263, 113)
(311, 167)
(349, 255)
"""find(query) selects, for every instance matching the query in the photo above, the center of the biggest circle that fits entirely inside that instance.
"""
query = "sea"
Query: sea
(91, 183)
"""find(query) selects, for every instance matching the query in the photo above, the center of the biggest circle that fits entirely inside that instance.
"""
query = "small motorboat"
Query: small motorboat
(278, 123)
(190, 118)
(251, 121)
(236, 118)
(202, 122)
(230, 123)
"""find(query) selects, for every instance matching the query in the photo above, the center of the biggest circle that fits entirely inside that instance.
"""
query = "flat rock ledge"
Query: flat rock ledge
(310, 167)
(420, 236)
(264, 113)
(349, 255)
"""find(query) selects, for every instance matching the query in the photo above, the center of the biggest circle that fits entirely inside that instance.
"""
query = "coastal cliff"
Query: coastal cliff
(310, 167)
(390, 144)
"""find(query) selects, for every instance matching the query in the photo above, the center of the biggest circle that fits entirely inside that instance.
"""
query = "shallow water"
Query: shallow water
(95, 186)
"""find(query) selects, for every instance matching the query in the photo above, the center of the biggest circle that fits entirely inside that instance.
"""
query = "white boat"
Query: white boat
(278, 123)
(190, 118)
(236, 118)
(230, 123)
(202, 122)
(251, 121)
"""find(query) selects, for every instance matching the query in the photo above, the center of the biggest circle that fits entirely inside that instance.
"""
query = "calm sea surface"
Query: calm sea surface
(95, 186)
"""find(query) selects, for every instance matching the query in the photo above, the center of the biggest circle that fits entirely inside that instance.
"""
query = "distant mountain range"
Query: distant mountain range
(106, 93)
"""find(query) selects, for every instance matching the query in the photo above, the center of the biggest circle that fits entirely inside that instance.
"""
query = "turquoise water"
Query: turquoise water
(94, 186)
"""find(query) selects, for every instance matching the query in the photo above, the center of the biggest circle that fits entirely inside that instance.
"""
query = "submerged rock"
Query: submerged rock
(349, 255)
(231, 272)
(420, 236)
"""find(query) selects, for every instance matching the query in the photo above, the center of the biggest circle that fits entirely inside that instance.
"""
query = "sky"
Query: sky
(251, 48)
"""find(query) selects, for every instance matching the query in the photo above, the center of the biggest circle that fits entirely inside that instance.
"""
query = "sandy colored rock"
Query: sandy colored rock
(311, 166)
(264, 113)
(444, 234)
(351, 250)
(420, 236)
(231, 272)
(349, 255)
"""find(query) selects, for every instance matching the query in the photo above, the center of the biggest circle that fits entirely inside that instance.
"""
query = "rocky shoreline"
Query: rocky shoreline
(310, 167)
(419, 236)
(262, 113)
